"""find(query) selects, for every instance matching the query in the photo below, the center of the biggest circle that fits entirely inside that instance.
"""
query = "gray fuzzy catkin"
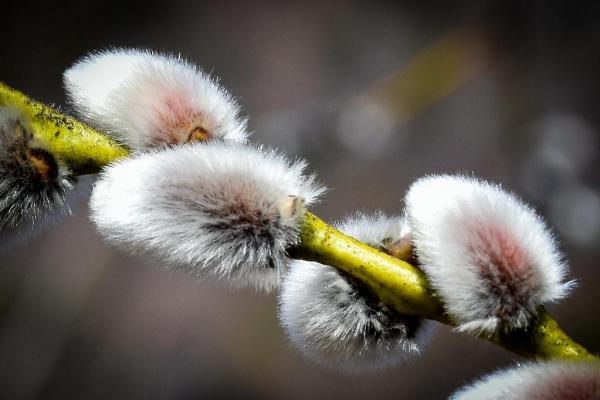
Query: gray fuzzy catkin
(333, 320)
(212, 209)
(33, 184)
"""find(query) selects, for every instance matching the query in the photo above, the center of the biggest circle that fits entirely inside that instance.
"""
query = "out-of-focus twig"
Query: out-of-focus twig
(431, 75)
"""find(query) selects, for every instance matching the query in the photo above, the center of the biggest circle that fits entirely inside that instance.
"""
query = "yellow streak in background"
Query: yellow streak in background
(431, 75)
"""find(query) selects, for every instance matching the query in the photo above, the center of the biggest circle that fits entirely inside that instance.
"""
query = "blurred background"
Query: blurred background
(374, 94)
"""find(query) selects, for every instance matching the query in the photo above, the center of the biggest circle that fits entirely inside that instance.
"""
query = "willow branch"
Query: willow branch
(82, 149)
(395, 282)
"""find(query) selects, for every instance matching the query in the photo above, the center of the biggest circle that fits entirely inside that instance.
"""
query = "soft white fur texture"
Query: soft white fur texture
(75, 200)
(213, 209)
(332, 320)
(557, 380)
(488, 255)
(30, 197)
(148, 99)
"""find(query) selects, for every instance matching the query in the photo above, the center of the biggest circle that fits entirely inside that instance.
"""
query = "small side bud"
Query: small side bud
(212, 209)
(556, 380)
(291, 209)
(147, 99)
(490, 257)
(333, 320)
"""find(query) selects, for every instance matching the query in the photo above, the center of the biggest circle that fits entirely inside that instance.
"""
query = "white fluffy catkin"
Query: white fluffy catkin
(333, 320)
(33, 184)
(489, 256)
(556, 380)
(148, 99)
(214, 209)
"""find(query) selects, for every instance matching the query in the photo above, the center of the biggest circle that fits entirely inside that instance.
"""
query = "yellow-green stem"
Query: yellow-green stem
(83, 149)
(395, 282)
(543, 340)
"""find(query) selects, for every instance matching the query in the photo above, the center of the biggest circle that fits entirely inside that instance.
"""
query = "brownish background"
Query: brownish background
(80, 320)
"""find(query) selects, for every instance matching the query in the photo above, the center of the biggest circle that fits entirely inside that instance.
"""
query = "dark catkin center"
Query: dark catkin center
(257, 230)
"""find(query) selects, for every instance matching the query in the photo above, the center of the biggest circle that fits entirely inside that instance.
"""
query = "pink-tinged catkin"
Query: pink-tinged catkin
(489, 256)
(147, 99)
(556, 380)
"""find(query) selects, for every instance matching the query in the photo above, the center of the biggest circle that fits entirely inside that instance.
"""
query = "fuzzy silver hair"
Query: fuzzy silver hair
(148, 99)
(489, 256)
(33, 184)
(555, 380)
(333, 320)
(213, 209)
